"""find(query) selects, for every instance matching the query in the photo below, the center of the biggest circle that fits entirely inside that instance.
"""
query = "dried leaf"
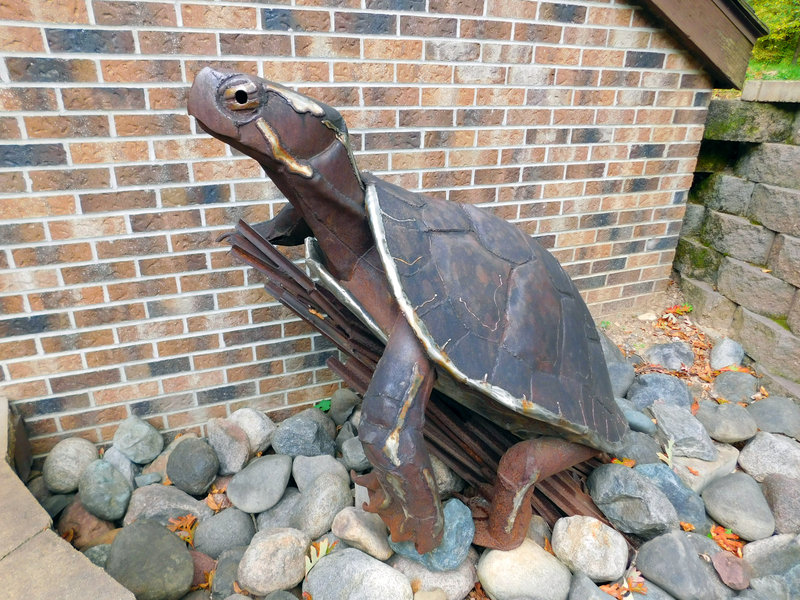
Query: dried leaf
(625, 462)
(721, 400)
(614, 590)
(237, 589)
(307, 596)
(184, 527)
(687, 526)
(695, 406)
(635, 582)
(694, 472)
(208, 579)
(477, 593)
(727, 540)
(166, 480)
(68, 535)
(548, 546)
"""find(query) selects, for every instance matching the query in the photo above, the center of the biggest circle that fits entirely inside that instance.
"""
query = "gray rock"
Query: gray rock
(678, 424)
(622, 376)
(447, 482)
(774, 555)
(201, 595)
(162, 503)
(354, 457)
(104, 491)
(362, 530)
(783, 496)
(651, 387)
(672, 355)
(673, 563)
(352, 575)
(149, 479)
(630, 501)
(737, 237)
(726, 193)
(735, 386)
(274, 560)
(528, 571)
(138, 440)
(63, 466)
(231, 444)
(704, 472)
(343, 401)
(777, 414)
(611, 351)
(640, 447)
(192, 466)
(688, 504)
(225, 530)
(346, 432)
(455, 584)
(260, 484)
(776, 208)
(539, 530)
(727, 423)
(771, 587)
(258, 427)
(770, 453)
(55, 503)
(98, 554)
(151, 561)
(583, 588)
(754, 289)
(459, 529)
(776, 164)
(305, 469)
(725, 353)
(283, 514)
(321, 503)
(159, 465)
(693, 219)
(591, 547)
(279, 595)
(227, 572)
(736, 502)
(123, 464)
(741, 121)
(305, 434)
(656, 593)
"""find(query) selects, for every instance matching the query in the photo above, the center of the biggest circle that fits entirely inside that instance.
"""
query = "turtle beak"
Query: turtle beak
(203, 104)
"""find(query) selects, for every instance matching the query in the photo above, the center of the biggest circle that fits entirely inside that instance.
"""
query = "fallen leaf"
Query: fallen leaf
(68, 535)
(727, 540)
(184, 527)
(208, 579)
(237, 589)
(166, 480)
(687, 526)
(548, 546)
(635, 582)
(695, 406)
(625, 462)
(614, 590)
(694, 472)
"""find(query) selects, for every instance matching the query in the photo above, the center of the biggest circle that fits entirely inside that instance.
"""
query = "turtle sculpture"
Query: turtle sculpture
(463, 300)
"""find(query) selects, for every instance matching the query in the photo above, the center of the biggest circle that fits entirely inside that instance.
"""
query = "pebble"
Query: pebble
(283, 514)
(319, 506)
(279, 595)
(274, 560)
(159, 465)
(622, 375)
(203, 565)
(230, 443)
(163, 502)
(227, 572)
(87, 529)
(63, 466)
(455, 584)
(350, 574)
(305, 434)
(459, 529)
(648, 316)
(151, 561)
(98, 554)
(774, 555)
(736, 502)
(770, 453)
(678, 424)
(725, 353)
(687, 503)
(732, 570)
(589, 546)
(305, 469)
(735, 386)
(704, 472)
(447, 482)
(783, 496)
(353, 455)
(346, 432)
(104, 491)
(611, 351)
(123, 464)
(539, 530)
(343, 401)
(261, 483)
(777, 414)
(772, 587)
(258, 427)
(192, 466)
(138, 440)
(148, 479)
(362, 530)
(672, 355)
(650, 387)
(640, 447)
(631, 501)
(727, 423)
(528, 571)
(225, 530)
(55, 503)
(583, 588)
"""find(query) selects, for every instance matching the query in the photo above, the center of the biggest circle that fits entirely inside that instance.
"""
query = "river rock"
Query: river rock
(688, 504)
(85, 529)
(630, 501)
(55, 503)
(343, 402)
(159, 465)
(258, 427)
(527, 572)
(678, 424)
(725, 353)
(98, 554)
(192, 466)
(350, 574)
(732, 570)
(726, 423)
(354, 457)
(346, 432)
(775, 555)
(777, 414)
(637, 420)
(305, 469)
(104, 491)
(123, 464)
(704, 472)
(622, 375)
(151, 561)
(650, 387)
(274, 560)
(320, 504)
(770, 453)
(640, 447)
(611, 351)
(203, 566)
(283, 514)
(230, 443)
(227, 572)
(583, 588)
(735, 386)
(736, 502)
(538, 530)
(261, 483)
(138, 440)
(591, 547)
(308, 433)
(225, 530)
(447, 482)
(149, 479)
(456, 584)
(162, 503)
(783, 496)
(459, 529)
(362, 530)
(671, 355)
(63, 466)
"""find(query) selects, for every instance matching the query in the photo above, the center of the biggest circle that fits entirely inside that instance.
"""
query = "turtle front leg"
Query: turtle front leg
(401, 486)
(287, 228)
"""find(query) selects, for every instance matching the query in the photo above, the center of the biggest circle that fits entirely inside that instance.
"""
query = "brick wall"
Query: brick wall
(580, 121)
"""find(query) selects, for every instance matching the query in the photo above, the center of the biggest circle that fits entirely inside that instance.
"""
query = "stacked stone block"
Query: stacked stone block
(739, 251)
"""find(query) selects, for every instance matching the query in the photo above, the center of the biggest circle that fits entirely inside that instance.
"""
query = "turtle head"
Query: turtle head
(289, 134)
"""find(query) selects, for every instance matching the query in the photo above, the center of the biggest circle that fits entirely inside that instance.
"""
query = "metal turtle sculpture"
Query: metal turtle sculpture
(463, 300)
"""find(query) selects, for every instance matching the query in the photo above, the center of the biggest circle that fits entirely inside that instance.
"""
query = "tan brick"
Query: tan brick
(234, 17)
(150, 331)
(255, 44)
(418, 160)
(110, 315)
(530, 116)
(20, 39)
(45, 366)
(205, 281)
(382, 72)
(170, 42)
(142, 289)
(44, 11)
(424, 73)
(94, 98)
(126, 393)
(69, 179)
(325, 46)
(554, 55)
(139, 245)
(187, 345)
(77, 341)
(140, 71)
(603, 58)
(501, 137)
(479, 74)
(193, 382)
(45, 255)
(619, 16)
(218, 320)
(284, 382)
(459, 7)
(118, 355)
(226, 170)
(151, 125)
(224, 358)
(296, 71)
(17, 281)
(168, 98)
(23, 391)
(9, 129)
(67, 127)
(27, 98)
(17, 349)
(87, 227)
(108, 152)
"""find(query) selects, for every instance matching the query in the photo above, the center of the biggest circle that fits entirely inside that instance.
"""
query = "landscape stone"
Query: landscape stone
(776, 414)
(261, 483)
(123, 464)
(693, 219)
(688, 504)
(771, 587)
(305, 469)
(591, 547)
(455, 584)
(104, 491)
(637, 420)
(159, 465)
(678, 424)
(776, 208)
(711, 308)
(353, 575)
(63, 466)
(768, 343)
(739, 121)
(736, 502)
(225, 530)
(725, 353)
(353, 455)
(447, 482)
(650, 387)
(611, 351)
(772, 163)
(696, 260)
(346, 432)
(320, 504)
(737, 237)
(258, 427)
(283, 514)
(230, 443)
(640, 447)
(726, 193)
(732, 570)
(86, 529)
(362, 530)
(735, 386)
(528, 572)
(538, 530)
(192, 466)
(274, 560)
(305, 434)
(764, 293)
(149, 479)
(161, 503)
(727, 423)
(459, 529)
(151, 561)
(672, 355)
(98, 554)
(343, 401)
(227, 572)
(583, 588)
(138, 440)
(704, 472)
(622, 376)
(783, 496)
(774, 555)
(770, 453)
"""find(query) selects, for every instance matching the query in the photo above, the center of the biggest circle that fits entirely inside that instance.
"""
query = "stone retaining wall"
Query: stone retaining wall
(739, 251)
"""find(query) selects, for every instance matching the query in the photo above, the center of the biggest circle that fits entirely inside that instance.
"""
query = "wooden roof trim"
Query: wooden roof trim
(720, 33)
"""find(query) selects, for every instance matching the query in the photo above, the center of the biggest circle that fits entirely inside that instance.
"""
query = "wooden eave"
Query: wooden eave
(720, 33)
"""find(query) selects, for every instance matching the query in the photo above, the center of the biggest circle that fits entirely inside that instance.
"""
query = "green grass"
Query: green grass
(782, 71)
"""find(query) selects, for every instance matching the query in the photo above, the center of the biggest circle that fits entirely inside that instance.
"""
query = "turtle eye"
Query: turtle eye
(241, 96)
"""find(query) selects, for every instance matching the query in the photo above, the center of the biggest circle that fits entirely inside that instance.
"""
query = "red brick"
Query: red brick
(205, 281)
(9, 130)
(118, 201)
(171, 42)
(67, 127)
(23, 391)
(254, 44)
(142, 175)
(142, 289)
(225, 170)
(125, 12)
(109, 315)
(77, 341)
(44, 11)
(374, 72)
(424, 26)
(151, 125)
(187, 345)
(27, 98)
(459, 7)
(165, 220)
(168, 98)
(192, 382)
(234, 17)
(96, 378)
(69, 179)
(94, 98)
(17, 349)
(45, 255)
(140, 71)
(93, 417)
(296, 71)
(108, 152)
(20, 39)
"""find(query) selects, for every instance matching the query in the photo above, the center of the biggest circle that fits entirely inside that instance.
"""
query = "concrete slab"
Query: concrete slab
(762, 90)
(21, 516)
(47, 567)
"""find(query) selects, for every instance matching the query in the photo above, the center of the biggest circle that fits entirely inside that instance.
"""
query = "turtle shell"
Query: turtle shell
(496, 312)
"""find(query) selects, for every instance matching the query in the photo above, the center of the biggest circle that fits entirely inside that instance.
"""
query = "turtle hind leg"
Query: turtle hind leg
(504, 523)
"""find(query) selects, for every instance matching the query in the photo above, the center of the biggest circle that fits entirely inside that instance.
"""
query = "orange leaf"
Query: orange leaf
(239, 590)
(687, 526)
(694, 472)
(615, 590)
(635, 583)
(548, 546)
(625, 462)
(307, 596)
(695, 406)
(727, 540)
(68, 535)
(184, 527)
(166, 480)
